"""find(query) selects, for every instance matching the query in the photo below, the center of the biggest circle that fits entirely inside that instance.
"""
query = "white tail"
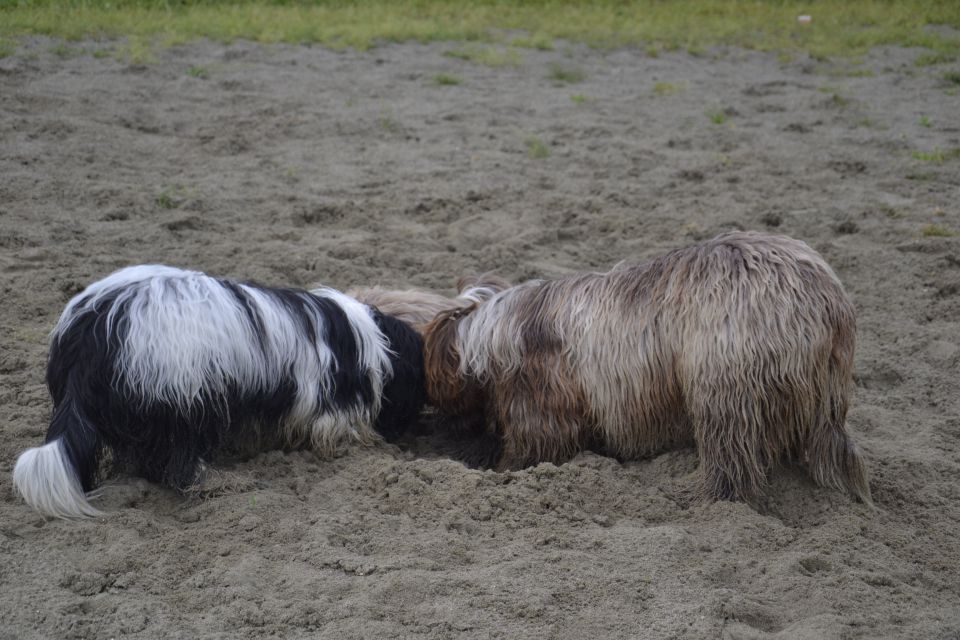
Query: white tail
(46, 480)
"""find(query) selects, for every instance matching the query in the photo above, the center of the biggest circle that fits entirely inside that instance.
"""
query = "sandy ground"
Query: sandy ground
(295, 165)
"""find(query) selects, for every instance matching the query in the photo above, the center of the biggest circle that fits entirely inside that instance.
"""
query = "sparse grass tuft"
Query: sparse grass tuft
(166, 200)
(7, 48)
(665, 89)
(836, 99)
(446, 80)
(922, 176)
(387, 123)
(62, 50)
(938, 156)
(717, 116)
(539, 41)
(536, 148)
(137, 51)
(579, 98)
(487, 56)
(937, 231)
(953, 77)
(197, 72)
(924, 121)
(890, 211)
(561, 75)
(929, 59)
(104, 52)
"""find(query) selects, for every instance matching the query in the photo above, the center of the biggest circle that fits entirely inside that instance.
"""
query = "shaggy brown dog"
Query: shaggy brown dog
(742, 344)
(417, 308)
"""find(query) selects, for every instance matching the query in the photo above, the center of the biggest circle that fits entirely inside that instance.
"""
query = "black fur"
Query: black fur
(405, 393)
(94, 407)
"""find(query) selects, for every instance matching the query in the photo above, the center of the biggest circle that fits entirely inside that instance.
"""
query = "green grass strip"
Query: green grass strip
(850, 27)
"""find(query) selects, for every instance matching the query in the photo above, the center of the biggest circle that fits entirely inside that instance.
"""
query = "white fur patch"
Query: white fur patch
(44, 478)
(187, 334)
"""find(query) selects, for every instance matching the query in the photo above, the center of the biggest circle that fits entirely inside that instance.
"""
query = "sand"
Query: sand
(295, 165)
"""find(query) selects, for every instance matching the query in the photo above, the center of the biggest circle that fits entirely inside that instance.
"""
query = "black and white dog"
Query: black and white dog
(166, 367)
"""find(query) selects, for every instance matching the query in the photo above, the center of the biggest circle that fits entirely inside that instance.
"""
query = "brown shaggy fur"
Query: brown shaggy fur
(742, 344)
(417, 308)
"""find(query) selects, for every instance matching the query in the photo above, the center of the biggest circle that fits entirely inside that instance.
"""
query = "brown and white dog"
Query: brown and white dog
(742, 344)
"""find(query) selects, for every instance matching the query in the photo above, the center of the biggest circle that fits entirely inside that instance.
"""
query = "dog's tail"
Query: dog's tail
(56, 479)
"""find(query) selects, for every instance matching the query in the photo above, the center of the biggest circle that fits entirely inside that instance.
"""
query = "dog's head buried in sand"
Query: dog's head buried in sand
(742, 345)
(165, 368)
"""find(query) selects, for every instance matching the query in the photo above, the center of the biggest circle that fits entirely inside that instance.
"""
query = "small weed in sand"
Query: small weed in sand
(539, 41)
(930, 59)
(197, 72)
(665, 89)
(166, 200)
(387, 121)
(937, 231)
(105, 52)
(653, 51)
(62, 50)
(446, 80)
(137, 51)
(889, 211)
(835, 99)
(579, 98)
(561, 75)
(953, 77)
(717, 116)
(487, 56)
(536, 148)
(6, 48)
(924, 121)
(938, 156)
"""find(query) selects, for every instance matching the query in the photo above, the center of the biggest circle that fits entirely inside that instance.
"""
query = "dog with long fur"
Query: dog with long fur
(418, 307)
(742, 344)
(165, 368)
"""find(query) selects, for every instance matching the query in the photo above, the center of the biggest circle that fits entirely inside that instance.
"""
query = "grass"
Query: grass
(579, 98)
(930, 59)
(836, 99)
(924, 121)
(717, 116)
(937, 156)
(539, 41)
(952, 77)
(136, 51)
(197, 72)
(166, 199)
(665, 89)
(388, 123)
(937, 231)
(63, 51)
(487, 56)
(846, 28)
(536, 148)
(446, 80)
(561, 75)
